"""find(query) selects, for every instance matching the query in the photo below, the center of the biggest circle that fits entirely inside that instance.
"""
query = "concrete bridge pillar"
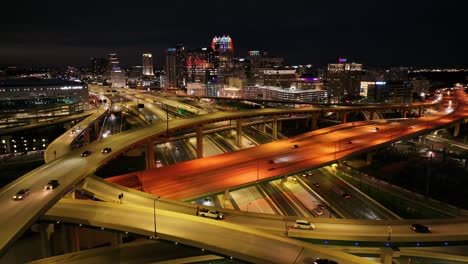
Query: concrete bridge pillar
(226, 195)
(69, 239)
(456, 131)
(116, 239)
(86, 137)
(199, 142)
(275, 127)
(150, 156)
(344, 115)
(421, 110)
(371, 115)
(96, 128)
(403, 113)
(386, 256)
(45, 232)
(239, 133)
(314, 122)
(369, 158)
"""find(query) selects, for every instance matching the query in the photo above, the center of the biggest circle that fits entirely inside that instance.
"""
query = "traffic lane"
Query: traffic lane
(243, 243)
(357, 205)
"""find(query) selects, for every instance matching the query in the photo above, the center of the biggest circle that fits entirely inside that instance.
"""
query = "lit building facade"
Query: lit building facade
(116, 76)
(148, 64)
(291, 94)
(343, 80)
(171, 72)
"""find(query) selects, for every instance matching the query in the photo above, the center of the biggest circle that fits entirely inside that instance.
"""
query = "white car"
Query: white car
(304, 224)
(210, 214)
(318, 211)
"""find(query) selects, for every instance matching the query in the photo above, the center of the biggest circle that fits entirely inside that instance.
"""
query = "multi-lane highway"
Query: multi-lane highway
(71, 168)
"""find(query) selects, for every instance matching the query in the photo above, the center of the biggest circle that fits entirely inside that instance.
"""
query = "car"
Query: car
(304, 174)
(86, 153)
(106, 150)
(158, 161)
(304, 224)
(321, 206)
(418, 228)
(52, 184)
(271, 162)
(376, 129)
(21, 194)
(210, 213)
(73, 132)
(324, 261)
(177, 148)
(295, 146)
(318, 211)
(316, 184)
(349, 142)
(346, 195)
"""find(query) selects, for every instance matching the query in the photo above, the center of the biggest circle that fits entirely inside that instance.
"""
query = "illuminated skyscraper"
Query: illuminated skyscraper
(116, 75)
(148, 64)
(171, 73)
(343, 80)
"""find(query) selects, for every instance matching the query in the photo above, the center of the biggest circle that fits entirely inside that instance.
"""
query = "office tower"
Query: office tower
(116, 76)
(223, 50)
(181, 66)
(343, 80)
(148, 64)
(171, 72)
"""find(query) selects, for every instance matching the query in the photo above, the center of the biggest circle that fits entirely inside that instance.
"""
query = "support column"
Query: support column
(275, 127)
(264, 128)
(386, 256)
(456, 131)
(226, 194)
(421, 111)
(371, 115)
(403, 113)
(343, 117)
(150, 156)
(199, 142)
(369, 158)
(314, 122)
(116, 239)
(69, 239)
(46, 248)
(96, 128)
(239, 133)
(86, 137)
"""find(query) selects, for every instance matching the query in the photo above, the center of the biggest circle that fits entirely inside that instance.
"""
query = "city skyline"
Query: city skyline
(397, 33)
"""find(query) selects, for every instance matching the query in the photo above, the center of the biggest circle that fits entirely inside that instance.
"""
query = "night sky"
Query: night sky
(412, 33)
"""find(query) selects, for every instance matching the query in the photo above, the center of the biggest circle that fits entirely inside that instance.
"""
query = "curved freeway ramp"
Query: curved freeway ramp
(224, 238)
(70, 169)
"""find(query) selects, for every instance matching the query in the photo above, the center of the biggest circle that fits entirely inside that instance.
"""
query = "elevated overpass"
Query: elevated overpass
(244, 243)
(71, 169)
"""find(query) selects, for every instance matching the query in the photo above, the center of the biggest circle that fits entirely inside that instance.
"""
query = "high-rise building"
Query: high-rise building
(148, 64)
(171, 71)
(116, 76)
(223, 49)
(343, 80)
(181, 66)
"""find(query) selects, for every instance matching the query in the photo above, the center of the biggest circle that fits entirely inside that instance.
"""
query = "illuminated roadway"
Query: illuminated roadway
(71, 168)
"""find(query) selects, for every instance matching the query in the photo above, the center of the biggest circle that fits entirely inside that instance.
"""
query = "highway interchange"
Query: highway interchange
(71, 169)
